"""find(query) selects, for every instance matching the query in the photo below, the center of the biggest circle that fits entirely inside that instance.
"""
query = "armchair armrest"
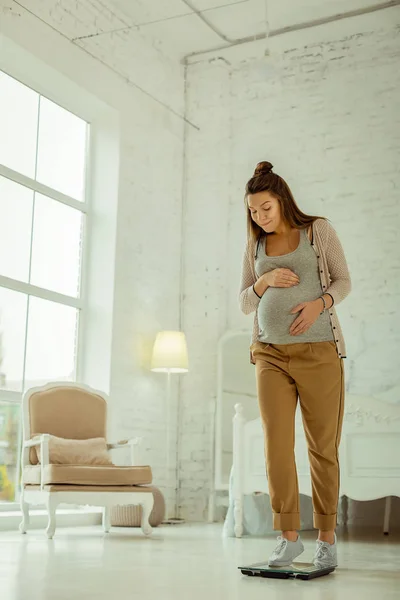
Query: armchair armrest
(133, 444)
(42, 441)
(35, 441)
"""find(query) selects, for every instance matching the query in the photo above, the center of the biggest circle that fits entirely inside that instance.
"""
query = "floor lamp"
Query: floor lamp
(169, 356)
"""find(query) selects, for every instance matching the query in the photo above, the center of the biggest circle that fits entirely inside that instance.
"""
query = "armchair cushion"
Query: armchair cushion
(83, 475)
(76, 452)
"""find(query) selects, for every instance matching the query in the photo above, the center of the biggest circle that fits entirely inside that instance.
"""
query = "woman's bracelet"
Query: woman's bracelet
(323, 300)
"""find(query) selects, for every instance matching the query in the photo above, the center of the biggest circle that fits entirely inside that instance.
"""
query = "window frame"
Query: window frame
(46, 72)
(79, 303)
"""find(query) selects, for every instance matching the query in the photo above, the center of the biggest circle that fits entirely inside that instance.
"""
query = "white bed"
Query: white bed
(369, 450)
(369, 455)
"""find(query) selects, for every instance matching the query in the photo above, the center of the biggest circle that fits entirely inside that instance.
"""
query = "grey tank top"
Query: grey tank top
(274, 308)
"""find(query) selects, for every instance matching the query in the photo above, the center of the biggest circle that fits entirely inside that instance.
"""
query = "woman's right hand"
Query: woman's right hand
(281, 278)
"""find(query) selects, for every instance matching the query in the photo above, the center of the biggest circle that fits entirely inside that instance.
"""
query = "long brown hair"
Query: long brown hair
(264, 180)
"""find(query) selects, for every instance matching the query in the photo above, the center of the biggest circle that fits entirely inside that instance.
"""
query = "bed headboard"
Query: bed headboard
(369, 451)
(236, 383)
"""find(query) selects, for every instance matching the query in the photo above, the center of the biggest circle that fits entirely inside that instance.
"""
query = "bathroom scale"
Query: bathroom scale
(297, 570)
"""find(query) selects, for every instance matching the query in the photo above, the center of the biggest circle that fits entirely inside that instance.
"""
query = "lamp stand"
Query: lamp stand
(169, 518)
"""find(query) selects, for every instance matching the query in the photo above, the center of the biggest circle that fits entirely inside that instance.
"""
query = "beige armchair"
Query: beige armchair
(76, 412)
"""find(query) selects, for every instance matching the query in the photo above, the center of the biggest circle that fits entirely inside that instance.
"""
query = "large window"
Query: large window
(43, 205)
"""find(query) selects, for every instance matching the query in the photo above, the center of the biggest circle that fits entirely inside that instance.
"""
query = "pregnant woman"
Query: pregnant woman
(294, 274)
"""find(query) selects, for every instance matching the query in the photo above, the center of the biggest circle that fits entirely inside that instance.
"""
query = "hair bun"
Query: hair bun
(263, 168)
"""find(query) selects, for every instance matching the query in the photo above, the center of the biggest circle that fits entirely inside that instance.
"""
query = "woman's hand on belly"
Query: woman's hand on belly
(309, 313)
(278, 278)
(281, 278)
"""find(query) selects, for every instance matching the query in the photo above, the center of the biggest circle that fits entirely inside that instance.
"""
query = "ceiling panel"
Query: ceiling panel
(75, 19)
(171, 27)
(283, 13)
(210, 4)
(178, 37)
(145, 11)
(240, 20)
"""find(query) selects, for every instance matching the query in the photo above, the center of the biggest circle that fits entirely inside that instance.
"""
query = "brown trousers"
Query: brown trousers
(314, 373)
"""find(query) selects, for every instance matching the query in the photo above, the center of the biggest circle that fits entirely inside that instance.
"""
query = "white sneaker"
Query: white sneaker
(325, 554)
(285, 552)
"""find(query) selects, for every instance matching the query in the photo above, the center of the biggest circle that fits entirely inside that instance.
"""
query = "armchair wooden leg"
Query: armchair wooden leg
(106, 519)
(25, 515)
(51, 504)
(147, 506)
(386, 518)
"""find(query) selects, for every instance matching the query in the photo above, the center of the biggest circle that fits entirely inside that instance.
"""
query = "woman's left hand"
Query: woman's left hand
(309, 313)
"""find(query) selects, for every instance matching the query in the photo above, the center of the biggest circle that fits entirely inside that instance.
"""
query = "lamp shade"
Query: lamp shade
(170, 352)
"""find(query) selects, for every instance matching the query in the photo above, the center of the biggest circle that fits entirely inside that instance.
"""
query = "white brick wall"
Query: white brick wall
(149, 214)
(327, 116)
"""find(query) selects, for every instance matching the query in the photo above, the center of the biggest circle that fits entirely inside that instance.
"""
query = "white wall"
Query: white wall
(324, 109)
(327, 119)
(147, 270)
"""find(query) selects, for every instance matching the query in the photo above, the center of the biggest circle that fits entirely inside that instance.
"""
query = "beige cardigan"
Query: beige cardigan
(334, 275)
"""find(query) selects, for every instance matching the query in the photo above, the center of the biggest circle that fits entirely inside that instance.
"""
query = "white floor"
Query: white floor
(191, 562)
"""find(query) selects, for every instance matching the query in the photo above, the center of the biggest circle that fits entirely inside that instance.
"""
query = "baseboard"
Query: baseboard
(10, 520)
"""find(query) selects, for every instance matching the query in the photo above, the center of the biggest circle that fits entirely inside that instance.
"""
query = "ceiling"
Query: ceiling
(181, 27)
